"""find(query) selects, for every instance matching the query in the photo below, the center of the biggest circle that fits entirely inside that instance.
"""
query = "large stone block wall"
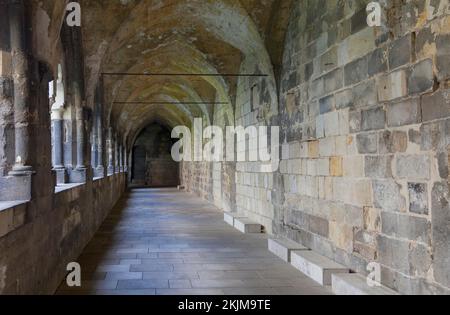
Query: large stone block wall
(366, 138)
(364, 117)
(51, 231)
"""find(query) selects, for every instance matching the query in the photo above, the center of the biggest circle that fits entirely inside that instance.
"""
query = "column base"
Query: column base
(78, 175)
(61, 175)
(110, 170)
(21, 170)
(99, 172)
(14, 188)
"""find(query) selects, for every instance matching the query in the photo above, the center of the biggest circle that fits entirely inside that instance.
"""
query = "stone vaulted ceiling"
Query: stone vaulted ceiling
(173, 36)
(170, 36)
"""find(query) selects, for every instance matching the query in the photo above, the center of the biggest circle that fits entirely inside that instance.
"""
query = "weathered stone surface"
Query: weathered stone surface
(406, 227)
(414, 166)
(393, 142)
(400, 52)
(421, 78)
(378, 166)
(387, 196)
(392, 86)
(418, 198)
(440, 213)
(373, 119)
(356, 71)
(367, 143)
(404, 113)
(436, 105)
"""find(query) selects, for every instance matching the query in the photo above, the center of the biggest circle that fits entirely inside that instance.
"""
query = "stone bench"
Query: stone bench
(247, 226)
(230, 217)
(356, 284)
(283, 247)
(315, 266)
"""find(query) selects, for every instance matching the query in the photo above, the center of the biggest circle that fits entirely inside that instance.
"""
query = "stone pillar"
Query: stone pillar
(110, 152)
(99, 168)
(120, 157)
(58, 129)
(116, 154)
(6, 114)
(21, 78)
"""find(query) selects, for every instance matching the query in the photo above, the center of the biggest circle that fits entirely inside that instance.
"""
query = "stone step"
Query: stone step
(315, 266)
(230, 217)
(356, 284)
(247, 226)
(283, 247)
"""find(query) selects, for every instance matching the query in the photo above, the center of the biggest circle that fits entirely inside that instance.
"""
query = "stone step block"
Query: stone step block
(356, 284)
(315, 266)
(283, 247)
(247, 226)
(230, 217)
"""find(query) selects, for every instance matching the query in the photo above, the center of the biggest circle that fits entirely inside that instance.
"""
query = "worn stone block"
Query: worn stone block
(387, 196)
(353, 166)
(413, 166)
(421, 78)
(247, 226)
(315, 266)
(406, 226)
(392, 86)
(378, 166)
(356, 71)
(365, 94)
(373, 119)
(404, 113)
(440, 214)
(393, 142)
(436, 105)
(344, 99)
(284, 247)
(377, 62)
(418, 198)
(400, 52)
(336, 167)
(331, 124)
(367, 143)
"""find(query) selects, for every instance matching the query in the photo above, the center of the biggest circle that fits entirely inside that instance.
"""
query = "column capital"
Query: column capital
(57, 113)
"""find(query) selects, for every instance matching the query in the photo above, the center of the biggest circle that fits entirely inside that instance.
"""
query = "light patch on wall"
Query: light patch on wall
(71, 222)
(2, 278)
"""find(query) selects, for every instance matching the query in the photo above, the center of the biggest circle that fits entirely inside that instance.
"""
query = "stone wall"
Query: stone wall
(39, 238)
(364, 117)
(365, 158)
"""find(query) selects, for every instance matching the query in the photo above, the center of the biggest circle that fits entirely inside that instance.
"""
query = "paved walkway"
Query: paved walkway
(162, 241)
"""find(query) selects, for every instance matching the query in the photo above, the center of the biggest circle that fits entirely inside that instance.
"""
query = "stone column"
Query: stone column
(80, 139)
(109, 143)
(99, 167)
(116, 154)
(58, 129)
(21, 78)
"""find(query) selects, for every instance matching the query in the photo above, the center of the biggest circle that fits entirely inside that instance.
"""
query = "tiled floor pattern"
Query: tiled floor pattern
(166, 242)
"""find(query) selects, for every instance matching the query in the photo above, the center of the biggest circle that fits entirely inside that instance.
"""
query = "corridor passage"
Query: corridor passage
(166, 242)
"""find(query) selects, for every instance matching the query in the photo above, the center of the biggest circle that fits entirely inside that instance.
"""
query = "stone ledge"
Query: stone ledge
(64, 187)
(283, 247)
(247, 226)
(356, 284)
(315, 266)
(12, 216)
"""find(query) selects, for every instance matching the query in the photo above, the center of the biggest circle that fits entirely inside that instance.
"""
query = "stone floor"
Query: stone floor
(167, 242)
